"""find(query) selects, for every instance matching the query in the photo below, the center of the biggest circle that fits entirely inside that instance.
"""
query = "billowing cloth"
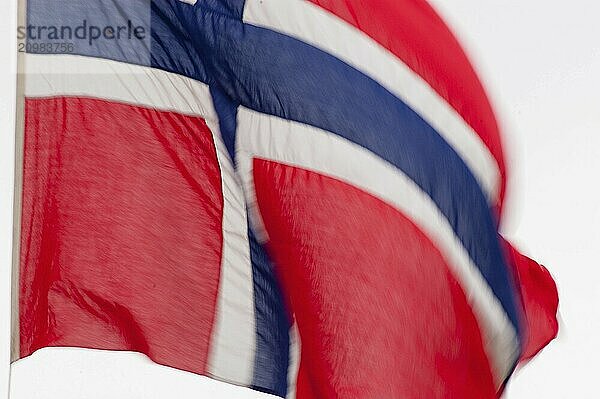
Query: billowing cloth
(302, 197)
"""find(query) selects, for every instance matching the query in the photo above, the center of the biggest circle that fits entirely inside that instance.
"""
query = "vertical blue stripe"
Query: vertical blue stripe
(272, 325)
(227, 111)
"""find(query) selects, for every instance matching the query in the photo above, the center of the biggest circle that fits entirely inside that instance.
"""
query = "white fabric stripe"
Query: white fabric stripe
(232, 349)
(233, 346)
(244, 166)
(315, 26)
(292, 143)
(74, 75)
(294, 362)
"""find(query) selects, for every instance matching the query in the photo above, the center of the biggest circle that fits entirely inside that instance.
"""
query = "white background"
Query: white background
(540, 60)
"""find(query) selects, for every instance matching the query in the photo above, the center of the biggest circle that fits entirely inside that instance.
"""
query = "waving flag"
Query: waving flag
(301, 197)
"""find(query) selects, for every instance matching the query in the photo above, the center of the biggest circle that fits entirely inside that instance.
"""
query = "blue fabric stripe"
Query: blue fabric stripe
(272, 325)
(231, 8)
(227, 111)
(173, 48)
(72, 21)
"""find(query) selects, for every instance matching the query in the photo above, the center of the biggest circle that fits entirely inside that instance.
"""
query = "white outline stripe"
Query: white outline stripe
(268, 137)
(232, 349)
(316, 26)
(75, 75)
(294, 362)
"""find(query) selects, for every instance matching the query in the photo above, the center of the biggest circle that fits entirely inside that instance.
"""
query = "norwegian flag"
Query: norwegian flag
(301, 197)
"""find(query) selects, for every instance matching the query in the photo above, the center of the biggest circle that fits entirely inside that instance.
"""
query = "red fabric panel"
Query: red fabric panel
(540, 302)
(121, 230)
(378, 311)
(413, 31)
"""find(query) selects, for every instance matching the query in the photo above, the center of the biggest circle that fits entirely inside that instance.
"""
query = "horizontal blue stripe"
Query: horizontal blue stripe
(166, 45)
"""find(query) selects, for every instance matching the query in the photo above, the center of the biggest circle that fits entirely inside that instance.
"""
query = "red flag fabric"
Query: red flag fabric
(540, 302)
(301, 197)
